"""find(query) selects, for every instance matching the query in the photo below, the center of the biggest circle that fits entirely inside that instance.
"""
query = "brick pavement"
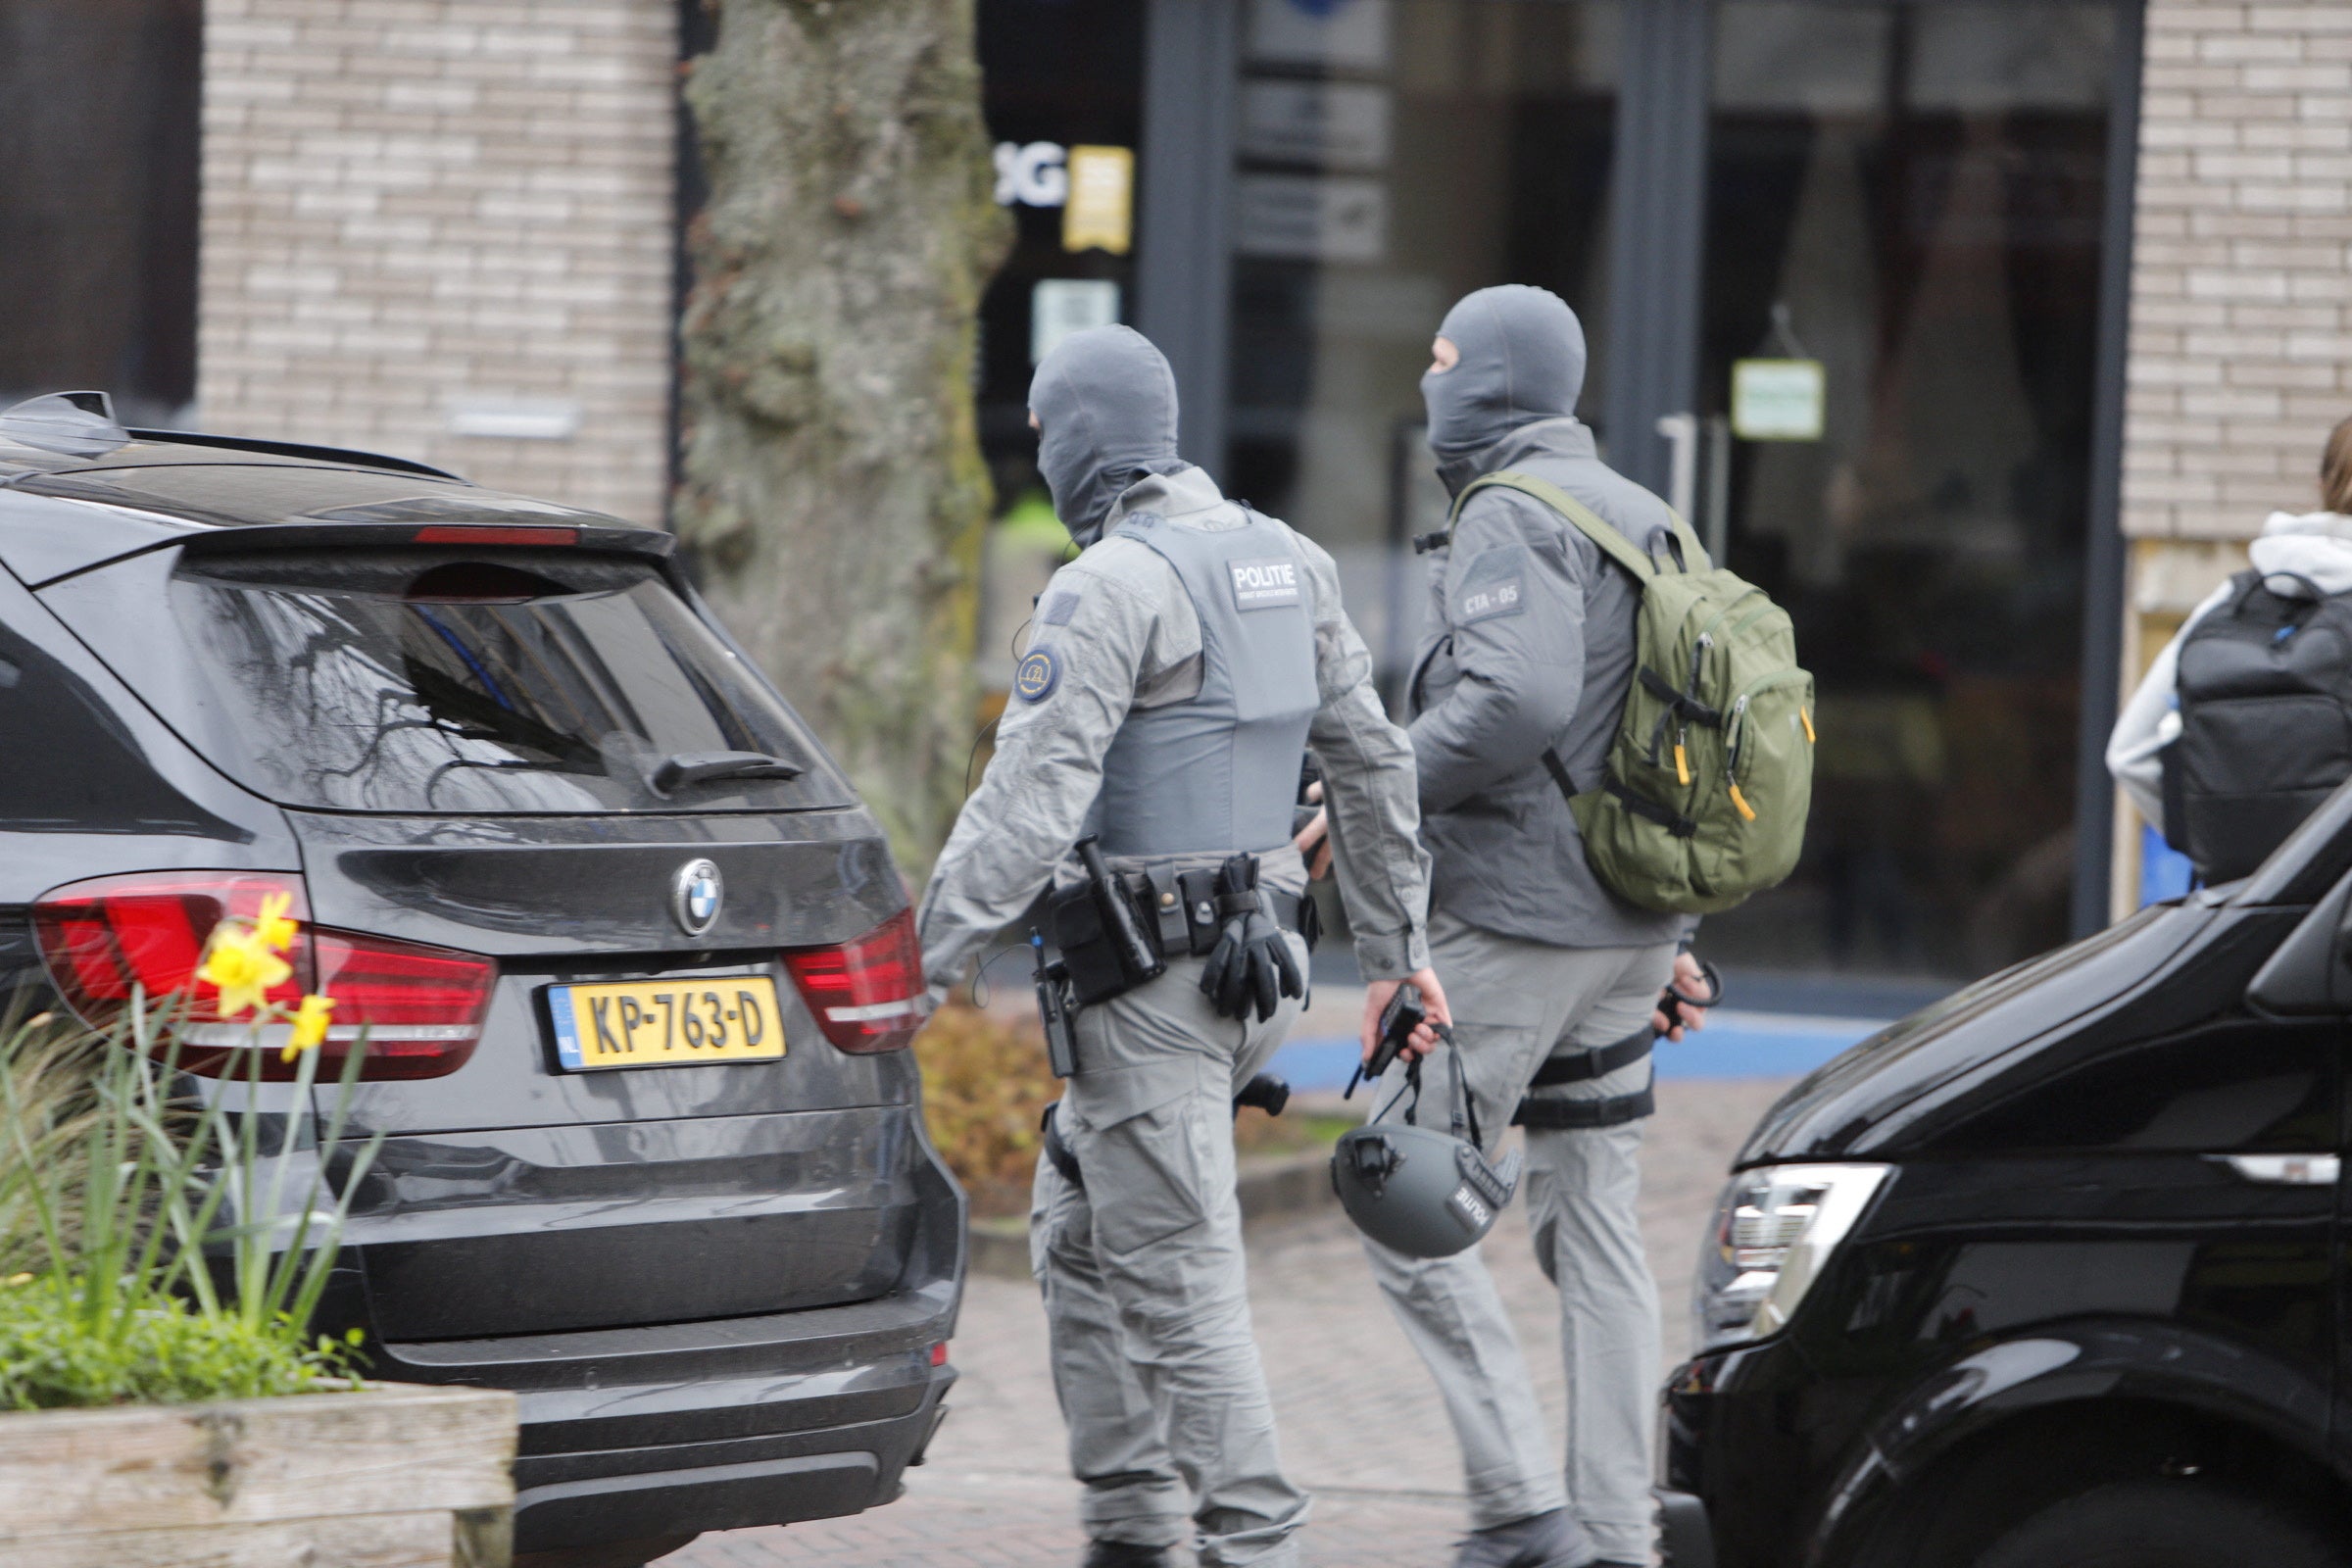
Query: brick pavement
(1361, 1424)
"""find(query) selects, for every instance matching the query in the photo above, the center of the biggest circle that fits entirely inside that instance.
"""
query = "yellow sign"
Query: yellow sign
(1101, 210)
(666, 1023)
(1779, 400)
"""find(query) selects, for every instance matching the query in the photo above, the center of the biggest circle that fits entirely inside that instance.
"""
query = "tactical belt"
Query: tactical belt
(1190, 918)
(1587, 1065)
(1171, 914)
(1556, 1115)
(1582, 1067)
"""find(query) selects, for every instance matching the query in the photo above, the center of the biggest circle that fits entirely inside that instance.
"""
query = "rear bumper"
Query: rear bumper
(583, 1500)
(718, 1425)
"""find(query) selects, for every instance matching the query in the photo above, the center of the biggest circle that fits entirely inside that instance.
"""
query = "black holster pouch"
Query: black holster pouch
(1056, 1149)
(1054, 1007)
(1109, 939)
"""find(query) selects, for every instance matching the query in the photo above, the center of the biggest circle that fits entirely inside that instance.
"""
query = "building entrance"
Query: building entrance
(1841, 266)
(1896, 349)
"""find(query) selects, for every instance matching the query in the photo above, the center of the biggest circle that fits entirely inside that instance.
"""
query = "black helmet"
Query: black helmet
(1424, 1193)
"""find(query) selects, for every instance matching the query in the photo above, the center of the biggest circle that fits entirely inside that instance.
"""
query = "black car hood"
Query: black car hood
(2168, 970)
(1878, 1098)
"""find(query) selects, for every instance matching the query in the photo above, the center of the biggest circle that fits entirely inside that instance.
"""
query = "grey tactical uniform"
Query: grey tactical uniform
(1531, 647)
(1126, 635)
(1142, 1270)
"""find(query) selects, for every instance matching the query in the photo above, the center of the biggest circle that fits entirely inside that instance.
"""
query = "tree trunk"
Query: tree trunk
(831, 484)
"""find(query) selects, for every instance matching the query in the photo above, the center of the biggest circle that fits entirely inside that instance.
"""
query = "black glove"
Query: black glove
(1251, 965)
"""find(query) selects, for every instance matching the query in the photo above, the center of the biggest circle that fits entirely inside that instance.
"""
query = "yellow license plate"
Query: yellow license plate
(666, 1023)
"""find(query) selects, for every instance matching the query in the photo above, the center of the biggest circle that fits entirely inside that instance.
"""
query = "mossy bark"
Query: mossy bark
(831, 481)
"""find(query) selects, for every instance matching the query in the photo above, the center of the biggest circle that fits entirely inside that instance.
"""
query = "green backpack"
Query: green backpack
(1711, 774)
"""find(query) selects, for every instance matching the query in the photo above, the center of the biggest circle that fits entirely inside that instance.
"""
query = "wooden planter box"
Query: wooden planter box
(396, 1475)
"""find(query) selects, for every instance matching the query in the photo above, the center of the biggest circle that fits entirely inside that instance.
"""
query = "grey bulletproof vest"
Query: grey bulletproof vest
(1218, 775)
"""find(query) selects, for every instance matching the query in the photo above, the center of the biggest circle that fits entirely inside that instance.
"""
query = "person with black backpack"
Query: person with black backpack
(2243, 724)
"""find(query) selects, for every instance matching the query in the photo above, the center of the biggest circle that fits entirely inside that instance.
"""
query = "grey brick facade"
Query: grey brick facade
(424, 217)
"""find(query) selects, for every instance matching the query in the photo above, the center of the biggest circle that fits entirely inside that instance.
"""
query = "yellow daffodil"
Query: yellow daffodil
(310, 1026)
(276, 931)
(240, 964)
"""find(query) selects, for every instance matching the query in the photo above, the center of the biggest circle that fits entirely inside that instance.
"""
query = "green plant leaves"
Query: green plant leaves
(164, 1235)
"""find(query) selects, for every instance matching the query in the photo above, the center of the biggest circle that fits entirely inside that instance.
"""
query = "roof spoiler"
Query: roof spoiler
(296, 449)
(302, 534)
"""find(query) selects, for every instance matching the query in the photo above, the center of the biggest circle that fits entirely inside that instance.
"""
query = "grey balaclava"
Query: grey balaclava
(1105, 407)
(1522, 360)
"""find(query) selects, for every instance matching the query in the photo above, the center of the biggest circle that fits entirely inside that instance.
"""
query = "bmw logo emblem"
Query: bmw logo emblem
(695, 894)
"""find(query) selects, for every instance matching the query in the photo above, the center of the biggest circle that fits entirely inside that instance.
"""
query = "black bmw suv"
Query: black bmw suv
(636, 969)
(2051, 1275)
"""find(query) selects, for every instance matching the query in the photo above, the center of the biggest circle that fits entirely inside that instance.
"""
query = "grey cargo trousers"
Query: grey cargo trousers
(1514, 1004)
(1142, 1270)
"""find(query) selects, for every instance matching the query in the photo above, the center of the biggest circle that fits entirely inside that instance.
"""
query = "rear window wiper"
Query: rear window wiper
(706, 767)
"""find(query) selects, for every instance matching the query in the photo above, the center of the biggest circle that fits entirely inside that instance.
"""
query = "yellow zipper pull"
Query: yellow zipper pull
(1748, 812)
(1682, 761)
(1806, 719)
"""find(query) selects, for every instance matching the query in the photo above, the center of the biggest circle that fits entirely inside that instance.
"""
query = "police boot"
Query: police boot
(1126, 1554)
(1545, 1541)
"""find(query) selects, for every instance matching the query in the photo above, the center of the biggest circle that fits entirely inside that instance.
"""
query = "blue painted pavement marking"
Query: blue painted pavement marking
(1735, 1044)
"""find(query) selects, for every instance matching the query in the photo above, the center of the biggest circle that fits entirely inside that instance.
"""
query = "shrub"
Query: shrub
(985, 1085)
(161, 1349)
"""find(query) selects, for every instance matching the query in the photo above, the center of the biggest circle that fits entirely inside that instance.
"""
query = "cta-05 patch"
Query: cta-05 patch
(1492, 586)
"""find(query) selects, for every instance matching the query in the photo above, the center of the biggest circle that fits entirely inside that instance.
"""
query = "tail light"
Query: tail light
(868, 994)
(421, 1008)
(480, 536)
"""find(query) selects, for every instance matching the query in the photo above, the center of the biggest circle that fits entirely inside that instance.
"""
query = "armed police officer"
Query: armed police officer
(1178, 668)
(1556, 980)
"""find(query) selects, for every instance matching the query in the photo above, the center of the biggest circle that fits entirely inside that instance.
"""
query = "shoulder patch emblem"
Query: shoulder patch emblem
(1492, 586)
(1039, 673)
(1264, 583)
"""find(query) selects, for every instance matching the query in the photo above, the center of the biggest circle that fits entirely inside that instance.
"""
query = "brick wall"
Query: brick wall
(2241, 295)
(427, 216)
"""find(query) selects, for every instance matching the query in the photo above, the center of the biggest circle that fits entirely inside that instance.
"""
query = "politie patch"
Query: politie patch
(1264, 583)
(1039, 673)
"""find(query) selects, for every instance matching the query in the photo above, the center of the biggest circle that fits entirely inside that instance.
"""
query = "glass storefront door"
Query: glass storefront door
(1391, 156)
(1904, 205)
(1899, 207)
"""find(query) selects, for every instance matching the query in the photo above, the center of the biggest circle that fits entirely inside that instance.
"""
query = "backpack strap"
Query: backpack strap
(1618, 548)
(1611, 542)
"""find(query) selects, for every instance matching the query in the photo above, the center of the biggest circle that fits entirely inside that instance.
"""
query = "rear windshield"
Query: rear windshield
(413, 683)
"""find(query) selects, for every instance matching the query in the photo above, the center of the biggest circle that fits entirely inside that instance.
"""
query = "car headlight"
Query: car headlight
(1775, 1232)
